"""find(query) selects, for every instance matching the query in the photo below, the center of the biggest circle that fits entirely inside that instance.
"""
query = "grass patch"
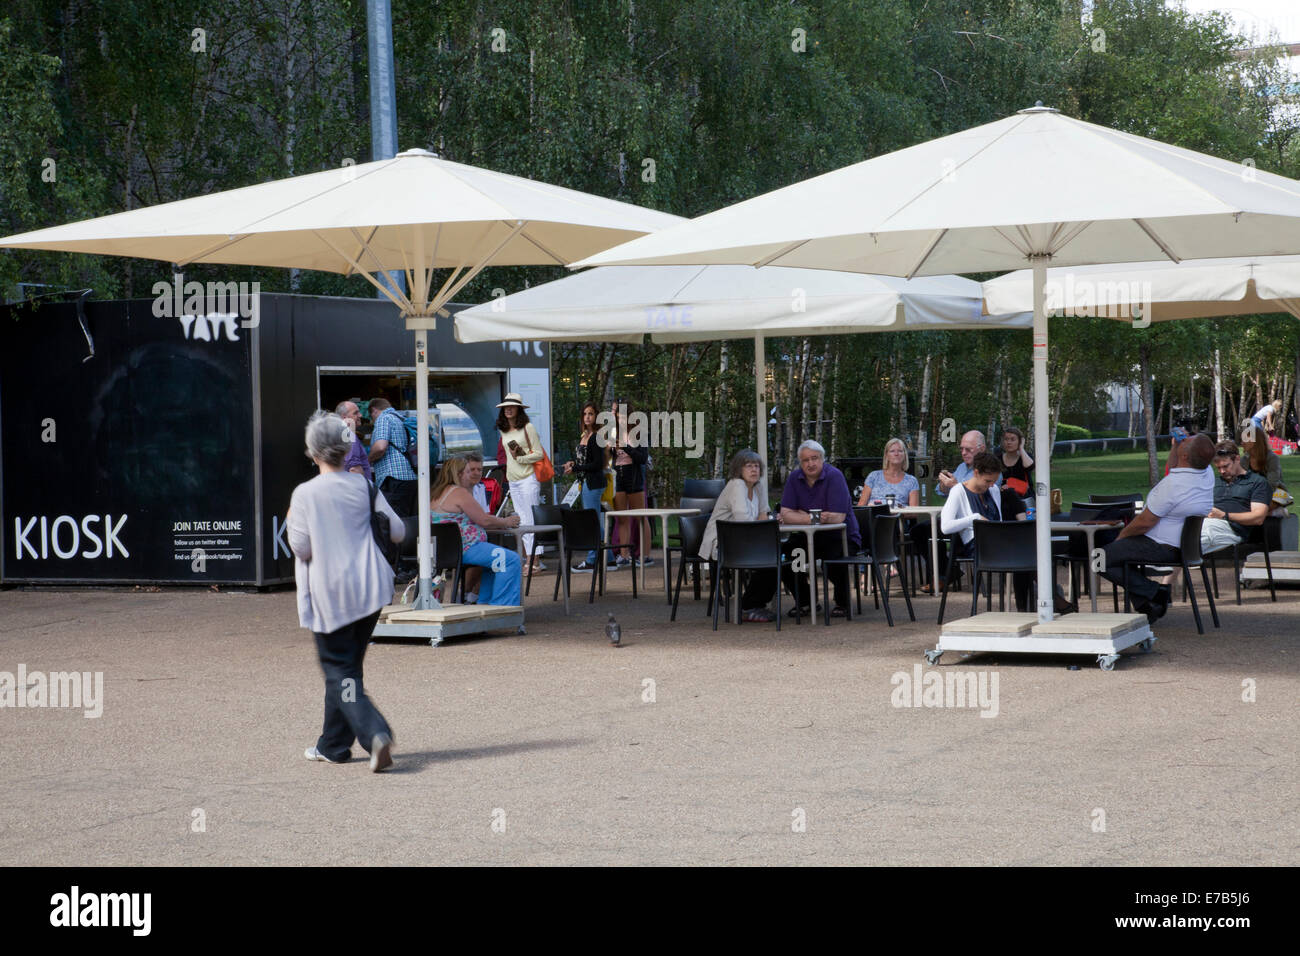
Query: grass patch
(1119, 473)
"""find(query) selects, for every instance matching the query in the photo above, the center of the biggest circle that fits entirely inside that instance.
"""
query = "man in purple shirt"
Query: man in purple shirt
(356, 460)
(822, 486)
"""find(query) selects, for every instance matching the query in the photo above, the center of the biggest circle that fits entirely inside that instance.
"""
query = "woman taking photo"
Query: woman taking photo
(1017, 466)
(588, 466)
(453, 502)
(892, 479)
(523, 447)
(629, 486)
(744, 499)
(343, 582)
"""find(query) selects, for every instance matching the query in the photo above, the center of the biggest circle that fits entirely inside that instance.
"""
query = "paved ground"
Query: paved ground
(210, 698)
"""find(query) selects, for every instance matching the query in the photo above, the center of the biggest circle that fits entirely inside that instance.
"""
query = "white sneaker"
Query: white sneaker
(311, 753)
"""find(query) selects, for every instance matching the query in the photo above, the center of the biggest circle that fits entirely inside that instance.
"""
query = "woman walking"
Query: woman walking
(588, 465)
(343, 583)
(523, 447)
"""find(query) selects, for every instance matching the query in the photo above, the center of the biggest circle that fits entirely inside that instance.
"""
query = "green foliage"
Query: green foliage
(1066, 432)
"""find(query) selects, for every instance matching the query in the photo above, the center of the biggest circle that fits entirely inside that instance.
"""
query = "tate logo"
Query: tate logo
(63, 536)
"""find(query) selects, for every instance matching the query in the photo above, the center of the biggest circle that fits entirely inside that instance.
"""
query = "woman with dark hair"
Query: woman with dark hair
(588, 464)
(1257, 456)
(343, 583)
(1017, 466)
(744, 499)
(630, 455)
(523, 447)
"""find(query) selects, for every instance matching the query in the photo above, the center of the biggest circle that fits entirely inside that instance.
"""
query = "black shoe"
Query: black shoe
(797, 612)
(1159, 605)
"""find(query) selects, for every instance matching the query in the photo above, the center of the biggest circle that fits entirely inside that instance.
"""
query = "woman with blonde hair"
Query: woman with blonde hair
(892, 479)
(452, 502)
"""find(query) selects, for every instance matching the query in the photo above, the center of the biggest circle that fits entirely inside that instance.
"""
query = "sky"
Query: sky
(1255, 18)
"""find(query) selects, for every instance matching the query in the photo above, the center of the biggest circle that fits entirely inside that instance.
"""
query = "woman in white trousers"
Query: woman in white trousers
(523, 447)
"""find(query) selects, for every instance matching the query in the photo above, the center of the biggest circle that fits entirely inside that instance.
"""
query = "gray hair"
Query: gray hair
(329, 439)
(741, 459)
(342, 407)
(473, 456)
(815, 446)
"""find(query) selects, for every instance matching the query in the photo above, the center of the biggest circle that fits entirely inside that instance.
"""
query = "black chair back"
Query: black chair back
(1005, 546)
(704, 504)
(702, 488)
(1190, 545)
(693, 527)
(1104, 499)
(408, 548)
(1114, 511)
(749, 544)
(884, 538)
(548, 514)
(581, 529)
(446, 539)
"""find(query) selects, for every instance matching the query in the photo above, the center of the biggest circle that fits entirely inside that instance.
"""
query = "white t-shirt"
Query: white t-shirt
(1263, 410)
(479, 492)
(1182, 493)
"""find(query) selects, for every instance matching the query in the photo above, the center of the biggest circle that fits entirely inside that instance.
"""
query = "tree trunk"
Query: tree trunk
(923, 432)
(1055, 417)
(835, 405)
(805, 391)
(822, 374)
(1144, 352)
(720, 429)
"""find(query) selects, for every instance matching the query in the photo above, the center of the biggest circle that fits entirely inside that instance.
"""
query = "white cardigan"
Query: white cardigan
(730, 506)
(957, 515)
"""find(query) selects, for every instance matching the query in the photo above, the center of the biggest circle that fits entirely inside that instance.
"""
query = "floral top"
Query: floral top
(470, 533)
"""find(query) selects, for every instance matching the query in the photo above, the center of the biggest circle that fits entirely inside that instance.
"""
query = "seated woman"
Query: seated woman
(1017, 466)
(1258, 457)
(452, 501)
(975, 499)
(744, 498)
(892, 479)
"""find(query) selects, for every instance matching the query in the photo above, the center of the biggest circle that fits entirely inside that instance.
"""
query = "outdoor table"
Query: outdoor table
(524, 529)
(663, 514)
(1090, 530)
(808, 532)
(933, 511)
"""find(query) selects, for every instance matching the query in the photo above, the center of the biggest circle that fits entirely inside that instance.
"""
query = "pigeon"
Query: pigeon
(613, 631)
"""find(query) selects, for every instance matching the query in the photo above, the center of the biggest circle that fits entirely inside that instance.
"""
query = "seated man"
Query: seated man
(1242, 500)
(1155, 534)
(972, 443)
(819, 485)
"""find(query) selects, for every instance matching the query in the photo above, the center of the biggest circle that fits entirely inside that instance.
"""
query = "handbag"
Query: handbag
(381, 529)
(543, 470)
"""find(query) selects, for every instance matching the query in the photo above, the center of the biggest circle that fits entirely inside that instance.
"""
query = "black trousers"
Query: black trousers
(349, 714)
(1138, 547)
(401, 495)
(758, 587)
(828, 545)
(920, 538)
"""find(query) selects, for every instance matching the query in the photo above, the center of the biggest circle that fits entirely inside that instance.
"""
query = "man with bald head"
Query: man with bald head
(1154, 535)
(972, 443)
(356, 460)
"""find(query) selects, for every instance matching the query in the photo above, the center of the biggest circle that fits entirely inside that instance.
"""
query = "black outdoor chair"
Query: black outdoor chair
(703, 488)
(582, 534)
(1075, 554)
(692, 535)
(543, 514)
(880, 550)
(1189, 556)
(1265, 537)
(447, 551)
(1002, 548)
(1108, 499)
(1102, 511)
(675, 537)
(748, 546)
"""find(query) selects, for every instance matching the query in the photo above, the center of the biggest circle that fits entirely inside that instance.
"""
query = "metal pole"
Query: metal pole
(426, 599)
(1043, 433)
(760, 376)
(383, 91)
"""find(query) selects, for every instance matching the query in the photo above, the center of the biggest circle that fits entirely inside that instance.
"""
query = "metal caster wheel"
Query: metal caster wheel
(435, 641)
(521, 630)
(1107, 661)
(1148, 644)
(934, 655)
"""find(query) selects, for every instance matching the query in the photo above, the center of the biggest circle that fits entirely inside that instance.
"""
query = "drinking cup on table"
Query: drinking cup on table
(816, 515)
(890, 500)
